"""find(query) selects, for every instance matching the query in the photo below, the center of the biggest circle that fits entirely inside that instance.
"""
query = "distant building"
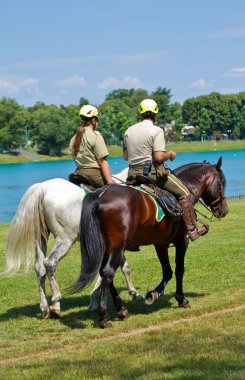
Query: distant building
(188, 130)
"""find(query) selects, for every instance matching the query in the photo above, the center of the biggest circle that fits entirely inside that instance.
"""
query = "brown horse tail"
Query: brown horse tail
(92, 242)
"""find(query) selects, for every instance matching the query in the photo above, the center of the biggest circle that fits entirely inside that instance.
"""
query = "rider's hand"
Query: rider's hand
(172, 155)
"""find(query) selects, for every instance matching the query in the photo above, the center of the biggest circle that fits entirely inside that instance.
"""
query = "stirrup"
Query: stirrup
(198, 232)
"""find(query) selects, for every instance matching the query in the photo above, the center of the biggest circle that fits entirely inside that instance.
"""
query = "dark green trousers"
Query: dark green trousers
(93, 174)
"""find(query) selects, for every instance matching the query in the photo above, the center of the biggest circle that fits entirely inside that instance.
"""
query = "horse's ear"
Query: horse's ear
(219, 163)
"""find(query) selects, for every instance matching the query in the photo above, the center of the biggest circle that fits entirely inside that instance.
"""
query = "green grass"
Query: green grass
(116, 151)
(200, 345)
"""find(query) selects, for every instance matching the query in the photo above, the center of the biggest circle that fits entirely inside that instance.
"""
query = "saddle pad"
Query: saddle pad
(159, 211)
(87, 191)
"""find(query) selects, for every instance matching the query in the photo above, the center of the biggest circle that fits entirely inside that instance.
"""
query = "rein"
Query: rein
(212, 204)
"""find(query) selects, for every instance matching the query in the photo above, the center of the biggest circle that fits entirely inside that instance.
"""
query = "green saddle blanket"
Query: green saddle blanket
(159, 211)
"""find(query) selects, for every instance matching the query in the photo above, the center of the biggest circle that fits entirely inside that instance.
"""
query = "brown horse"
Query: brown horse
(116, 218)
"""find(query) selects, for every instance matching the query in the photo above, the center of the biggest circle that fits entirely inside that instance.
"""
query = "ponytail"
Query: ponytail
(77, 140)
(85, 122)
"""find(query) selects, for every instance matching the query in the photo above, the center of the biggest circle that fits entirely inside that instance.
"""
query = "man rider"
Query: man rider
(143, 144)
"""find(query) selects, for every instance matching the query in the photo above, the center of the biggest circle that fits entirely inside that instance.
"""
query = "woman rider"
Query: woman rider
(144, 144)
(89, 150)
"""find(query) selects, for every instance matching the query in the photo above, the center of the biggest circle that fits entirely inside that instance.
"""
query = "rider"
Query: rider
(88, 149)
(144, 149)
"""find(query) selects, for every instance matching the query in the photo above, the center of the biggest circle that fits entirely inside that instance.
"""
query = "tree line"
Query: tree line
(49, 127)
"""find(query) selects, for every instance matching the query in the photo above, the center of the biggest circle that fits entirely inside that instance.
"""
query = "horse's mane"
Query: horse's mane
(184, 169)
(192, 165)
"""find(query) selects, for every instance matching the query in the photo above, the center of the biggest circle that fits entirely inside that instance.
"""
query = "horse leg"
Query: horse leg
(104, 317)
(94, 296)
(181, 248)
(162, 253)
(41, 276)
(61, 248)
(127, 274)
(107, 272)
(122, 312)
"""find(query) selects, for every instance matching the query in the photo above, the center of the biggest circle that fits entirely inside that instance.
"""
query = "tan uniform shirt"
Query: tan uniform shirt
(141, 140)
(92, 148)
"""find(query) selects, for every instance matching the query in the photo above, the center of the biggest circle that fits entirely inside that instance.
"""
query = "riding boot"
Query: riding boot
(189, 217)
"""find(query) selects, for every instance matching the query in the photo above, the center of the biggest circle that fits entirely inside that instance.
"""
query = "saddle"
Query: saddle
(82, 181)
(165, 199)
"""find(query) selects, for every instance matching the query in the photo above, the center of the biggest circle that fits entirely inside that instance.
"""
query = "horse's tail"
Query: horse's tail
(26, 231)
(92, 242)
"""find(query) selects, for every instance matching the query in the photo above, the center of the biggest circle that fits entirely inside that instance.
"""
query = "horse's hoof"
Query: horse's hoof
(105, 324)
(136, 296)
(123, 314)
(185, 303)
(45, 314)
(54, 313)
(151, 297)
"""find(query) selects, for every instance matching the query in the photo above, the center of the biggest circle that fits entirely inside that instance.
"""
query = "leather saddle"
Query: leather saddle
(82, 181)
(165, 199)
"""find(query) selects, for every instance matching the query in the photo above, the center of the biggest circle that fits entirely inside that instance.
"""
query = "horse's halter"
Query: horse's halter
(215, 207)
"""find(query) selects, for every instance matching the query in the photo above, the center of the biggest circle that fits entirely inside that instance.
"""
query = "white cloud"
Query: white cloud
(238, 71)
(73, 81)
(200, 83)
(228, 33)
(115, 82)
(13, 86)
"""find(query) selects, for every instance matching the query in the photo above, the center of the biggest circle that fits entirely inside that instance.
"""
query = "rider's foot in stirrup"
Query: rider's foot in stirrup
(198, 232)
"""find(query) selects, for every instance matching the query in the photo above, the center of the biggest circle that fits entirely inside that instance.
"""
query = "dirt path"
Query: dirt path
(159, 326)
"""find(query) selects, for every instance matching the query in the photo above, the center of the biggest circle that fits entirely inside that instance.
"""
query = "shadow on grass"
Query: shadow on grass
(74, 319)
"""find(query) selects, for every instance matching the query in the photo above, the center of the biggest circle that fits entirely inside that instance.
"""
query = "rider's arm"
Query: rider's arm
(125, 155)
(161, 156)
(105, 169)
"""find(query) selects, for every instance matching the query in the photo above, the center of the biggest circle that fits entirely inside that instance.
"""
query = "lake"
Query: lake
(16, 178)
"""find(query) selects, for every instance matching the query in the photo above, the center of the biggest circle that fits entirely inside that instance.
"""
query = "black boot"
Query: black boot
(189, 217)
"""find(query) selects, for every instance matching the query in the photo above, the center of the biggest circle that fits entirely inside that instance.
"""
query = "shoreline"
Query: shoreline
(116, 151)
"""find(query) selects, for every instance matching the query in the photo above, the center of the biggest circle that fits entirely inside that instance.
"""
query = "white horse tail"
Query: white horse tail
(26, 231)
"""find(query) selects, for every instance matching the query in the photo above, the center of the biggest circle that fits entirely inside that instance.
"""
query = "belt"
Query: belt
(136, 166)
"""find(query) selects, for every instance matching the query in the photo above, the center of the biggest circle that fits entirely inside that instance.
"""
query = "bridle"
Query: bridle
(216, 205)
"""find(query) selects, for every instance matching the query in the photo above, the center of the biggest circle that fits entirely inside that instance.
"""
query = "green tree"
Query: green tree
(115, 117)
(83, 102)
(205, 122)
(50, 130)
(13, 121)
(162, 97)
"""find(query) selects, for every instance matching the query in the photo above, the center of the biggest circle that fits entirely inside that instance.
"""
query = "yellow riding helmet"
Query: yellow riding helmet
(89, 111)
(148, 105)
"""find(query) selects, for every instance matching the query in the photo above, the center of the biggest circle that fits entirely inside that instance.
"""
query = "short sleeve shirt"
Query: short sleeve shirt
(92, 149)
(141, 140)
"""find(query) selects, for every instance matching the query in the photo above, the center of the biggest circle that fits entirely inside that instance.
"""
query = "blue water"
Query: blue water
(16, 178)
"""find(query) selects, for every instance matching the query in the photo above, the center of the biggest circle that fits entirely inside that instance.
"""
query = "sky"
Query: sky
(59, 51)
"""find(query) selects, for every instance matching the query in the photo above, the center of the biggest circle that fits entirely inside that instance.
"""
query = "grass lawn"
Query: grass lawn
(160, 341)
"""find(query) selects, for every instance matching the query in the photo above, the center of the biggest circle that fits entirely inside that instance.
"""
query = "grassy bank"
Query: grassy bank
(156, 342)
(115, 151)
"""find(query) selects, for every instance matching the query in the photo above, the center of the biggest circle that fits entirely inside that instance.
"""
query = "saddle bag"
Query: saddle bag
(162, 170)
(169, 203)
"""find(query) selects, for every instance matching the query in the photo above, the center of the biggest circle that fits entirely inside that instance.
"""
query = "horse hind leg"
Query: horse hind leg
(60, 250)
(127, 274)
(41, 277)
(94, 295)
(107, 272)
